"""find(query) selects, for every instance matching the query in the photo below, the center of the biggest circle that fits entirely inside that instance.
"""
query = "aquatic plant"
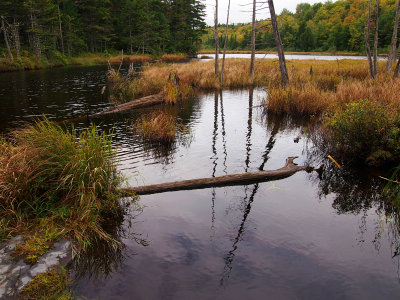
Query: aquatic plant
(63, 182)
(158, 127)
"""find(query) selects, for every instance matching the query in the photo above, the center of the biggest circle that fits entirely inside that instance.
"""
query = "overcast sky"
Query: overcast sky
(242, 14)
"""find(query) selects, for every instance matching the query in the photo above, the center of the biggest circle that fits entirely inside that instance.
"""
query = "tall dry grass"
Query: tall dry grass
(58, 182)
(157, 127)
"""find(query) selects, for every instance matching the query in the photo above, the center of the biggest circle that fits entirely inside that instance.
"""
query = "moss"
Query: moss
(52, 285)
(37, 243)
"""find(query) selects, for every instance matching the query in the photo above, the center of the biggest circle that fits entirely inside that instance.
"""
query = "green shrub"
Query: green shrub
(362, 128)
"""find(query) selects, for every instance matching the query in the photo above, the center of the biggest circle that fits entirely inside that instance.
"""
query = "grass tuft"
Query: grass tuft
(55, 183)
(158, 127)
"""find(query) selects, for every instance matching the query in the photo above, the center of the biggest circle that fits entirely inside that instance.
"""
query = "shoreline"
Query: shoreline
(29, 63)
(291, 52)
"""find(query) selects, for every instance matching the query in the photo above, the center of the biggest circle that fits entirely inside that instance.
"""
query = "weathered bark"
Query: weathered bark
(397, 70)
(367, 27)
(216, 40)
(3, 27)
(393, 45)
(281, 54)
(253, 41)
(137, 103)
(236, 179)
(376, 37)
(225, 42)
(134, 104)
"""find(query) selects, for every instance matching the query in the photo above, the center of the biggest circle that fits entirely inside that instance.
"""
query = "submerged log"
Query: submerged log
(288, 170)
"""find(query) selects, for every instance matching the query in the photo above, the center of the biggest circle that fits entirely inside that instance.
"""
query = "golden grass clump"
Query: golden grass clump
(157, 126)
(62, 181)
(135, 59)
(174, 57)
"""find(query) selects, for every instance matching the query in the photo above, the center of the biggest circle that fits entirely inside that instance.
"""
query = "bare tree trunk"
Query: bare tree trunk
(393, 45)
(216, 40)
(35, 37)
(60, 29)
(225, 42)
(253, 41)
(16, 39)
(376, 38)
(367, 26)
(397, 70)
(3, 27)
(281, 54)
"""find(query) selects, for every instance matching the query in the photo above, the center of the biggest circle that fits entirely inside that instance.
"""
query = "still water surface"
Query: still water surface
(295, 56)
(309, 236)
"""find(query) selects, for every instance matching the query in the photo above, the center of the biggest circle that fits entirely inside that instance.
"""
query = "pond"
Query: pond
(310, 236)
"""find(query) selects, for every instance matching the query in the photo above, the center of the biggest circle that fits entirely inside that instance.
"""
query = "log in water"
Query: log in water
(289, 169)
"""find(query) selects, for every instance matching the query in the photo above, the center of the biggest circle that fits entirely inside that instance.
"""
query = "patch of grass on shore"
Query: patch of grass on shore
(54, 184)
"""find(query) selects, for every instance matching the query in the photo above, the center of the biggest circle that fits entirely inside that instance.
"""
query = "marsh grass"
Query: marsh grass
(158, 127)
(56, 183)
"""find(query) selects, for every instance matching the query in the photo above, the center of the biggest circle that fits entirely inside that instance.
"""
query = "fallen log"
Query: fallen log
(288, 170)
(137, 103)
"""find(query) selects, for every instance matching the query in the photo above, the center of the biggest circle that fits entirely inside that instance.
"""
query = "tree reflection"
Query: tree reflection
(357, 190)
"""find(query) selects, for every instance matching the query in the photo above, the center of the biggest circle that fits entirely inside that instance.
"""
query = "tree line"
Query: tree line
(330, 26)
(71, 27)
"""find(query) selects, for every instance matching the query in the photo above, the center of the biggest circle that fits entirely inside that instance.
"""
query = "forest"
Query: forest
(329, 26)
(51, 27)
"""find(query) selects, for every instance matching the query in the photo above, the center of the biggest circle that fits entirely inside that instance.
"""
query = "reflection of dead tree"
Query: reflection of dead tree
(231, 255)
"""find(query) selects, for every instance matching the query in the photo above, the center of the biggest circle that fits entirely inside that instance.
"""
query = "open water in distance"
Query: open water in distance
(304, 237)
(294, 56)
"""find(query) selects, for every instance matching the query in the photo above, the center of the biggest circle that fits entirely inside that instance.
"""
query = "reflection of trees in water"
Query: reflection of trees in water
(357, 190)
(249, 198)
(103, 258)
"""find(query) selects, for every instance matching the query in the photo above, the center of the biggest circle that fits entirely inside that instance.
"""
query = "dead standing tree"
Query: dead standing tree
(373, 62)
(253, 41)
(281, 54)
(216, 40)
(393, 45)
(225, 42)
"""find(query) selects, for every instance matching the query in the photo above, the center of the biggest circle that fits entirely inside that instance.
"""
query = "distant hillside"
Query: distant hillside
(337, 26)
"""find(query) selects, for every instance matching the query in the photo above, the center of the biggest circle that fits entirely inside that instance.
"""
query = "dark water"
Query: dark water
(310, 236)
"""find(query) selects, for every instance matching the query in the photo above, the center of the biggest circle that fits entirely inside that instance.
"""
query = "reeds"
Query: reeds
(157, 127)
(50, 178)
